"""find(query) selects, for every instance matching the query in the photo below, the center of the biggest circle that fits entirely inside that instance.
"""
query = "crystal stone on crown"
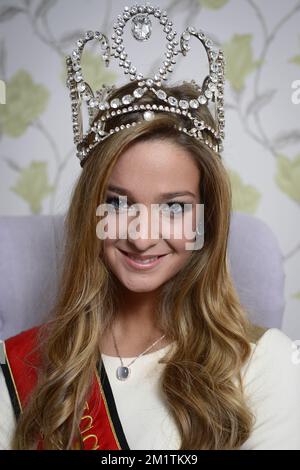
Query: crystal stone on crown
(141, 27)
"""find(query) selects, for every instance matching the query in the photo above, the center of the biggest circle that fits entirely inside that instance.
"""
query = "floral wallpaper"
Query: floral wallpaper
(261, 42)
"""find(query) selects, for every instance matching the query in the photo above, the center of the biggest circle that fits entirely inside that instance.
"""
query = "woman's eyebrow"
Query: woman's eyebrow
(124, 191)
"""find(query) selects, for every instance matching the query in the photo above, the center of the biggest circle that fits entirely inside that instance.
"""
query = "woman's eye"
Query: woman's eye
(117, 202)
(174, 208)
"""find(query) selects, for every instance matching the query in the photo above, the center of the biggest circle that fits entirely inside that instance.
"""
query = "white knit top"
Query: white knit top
(271, 381)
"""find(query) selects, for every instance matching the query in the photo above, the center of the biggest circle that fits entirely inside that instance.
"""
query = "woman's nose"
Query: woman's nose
(143, 230)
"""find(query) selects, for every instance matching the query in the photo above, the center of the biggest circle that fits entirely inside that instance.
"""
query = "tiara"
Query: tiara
(211, 91)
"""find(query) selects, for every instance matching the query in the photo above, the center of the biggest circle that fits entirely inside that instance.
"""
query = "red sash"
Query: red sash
(100, 426)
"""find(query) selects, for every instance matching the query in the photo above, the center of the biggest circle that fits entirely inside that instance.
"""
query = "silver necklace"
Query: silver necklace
(123, 371)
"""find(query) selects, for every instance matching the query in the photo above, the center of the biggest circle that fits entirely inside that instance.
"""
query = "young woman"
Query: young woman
(143, 352)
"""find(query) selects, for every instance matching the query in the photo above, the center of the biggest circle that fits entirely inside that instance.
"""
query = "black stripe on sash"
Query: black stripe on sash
(11, 389)
(112, 407)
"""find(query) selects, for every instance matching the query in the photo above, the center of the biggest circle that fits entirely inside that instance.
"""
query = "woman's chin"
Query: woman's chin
(139, 287)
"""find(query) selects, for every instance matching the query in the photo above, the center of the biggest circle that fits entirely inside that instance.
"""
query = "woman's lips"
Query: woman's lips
(141, 265)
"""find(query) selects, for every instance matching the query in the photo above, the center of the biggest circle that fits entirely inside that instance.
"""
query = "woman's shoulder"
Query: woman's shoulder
(275, 336)
(274, 352)
(20, 343)
(271, 382)
(23, 334)
(274, 344)
(20, 360)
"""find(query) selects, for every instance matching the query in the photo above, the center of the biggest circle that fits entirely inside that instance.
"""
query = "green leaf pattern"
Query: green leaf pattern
(32, 185)
(245, 197)
(239, 60)
(25, 101)
(213, 4)
(288, 176)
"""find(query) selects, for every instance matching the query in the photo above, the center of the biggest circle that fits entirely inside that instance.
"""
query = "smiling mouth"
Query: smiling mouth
(141, 257)
(143, 262)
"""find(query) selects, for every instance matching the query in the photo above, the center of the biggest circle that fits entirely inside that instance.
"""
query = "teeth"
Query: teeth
(143, 261)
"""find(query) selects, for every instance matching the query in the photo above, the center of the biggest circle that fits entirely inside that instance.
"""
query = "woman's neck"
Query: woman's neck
(135, 326)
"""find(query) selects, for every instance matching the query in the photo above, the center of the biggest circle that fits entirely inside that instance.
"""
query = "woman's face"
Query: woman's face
(144, 173)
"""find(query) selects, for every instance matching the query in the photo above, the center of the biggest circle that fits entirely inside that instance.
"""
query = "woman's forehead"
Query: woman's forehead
(161, 162)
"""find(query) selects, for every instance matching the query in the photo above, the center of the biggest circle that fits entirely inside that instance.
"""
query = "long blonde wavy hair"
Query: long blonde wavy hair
(199, 307)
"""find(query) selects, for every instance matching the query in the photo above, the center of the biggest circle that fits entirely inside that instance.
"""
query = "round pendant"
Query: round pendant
(122, 372)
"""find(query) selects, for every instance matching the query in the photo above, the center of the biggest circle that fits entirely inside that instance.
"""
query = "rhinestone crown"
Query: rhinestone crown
(211, 90)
